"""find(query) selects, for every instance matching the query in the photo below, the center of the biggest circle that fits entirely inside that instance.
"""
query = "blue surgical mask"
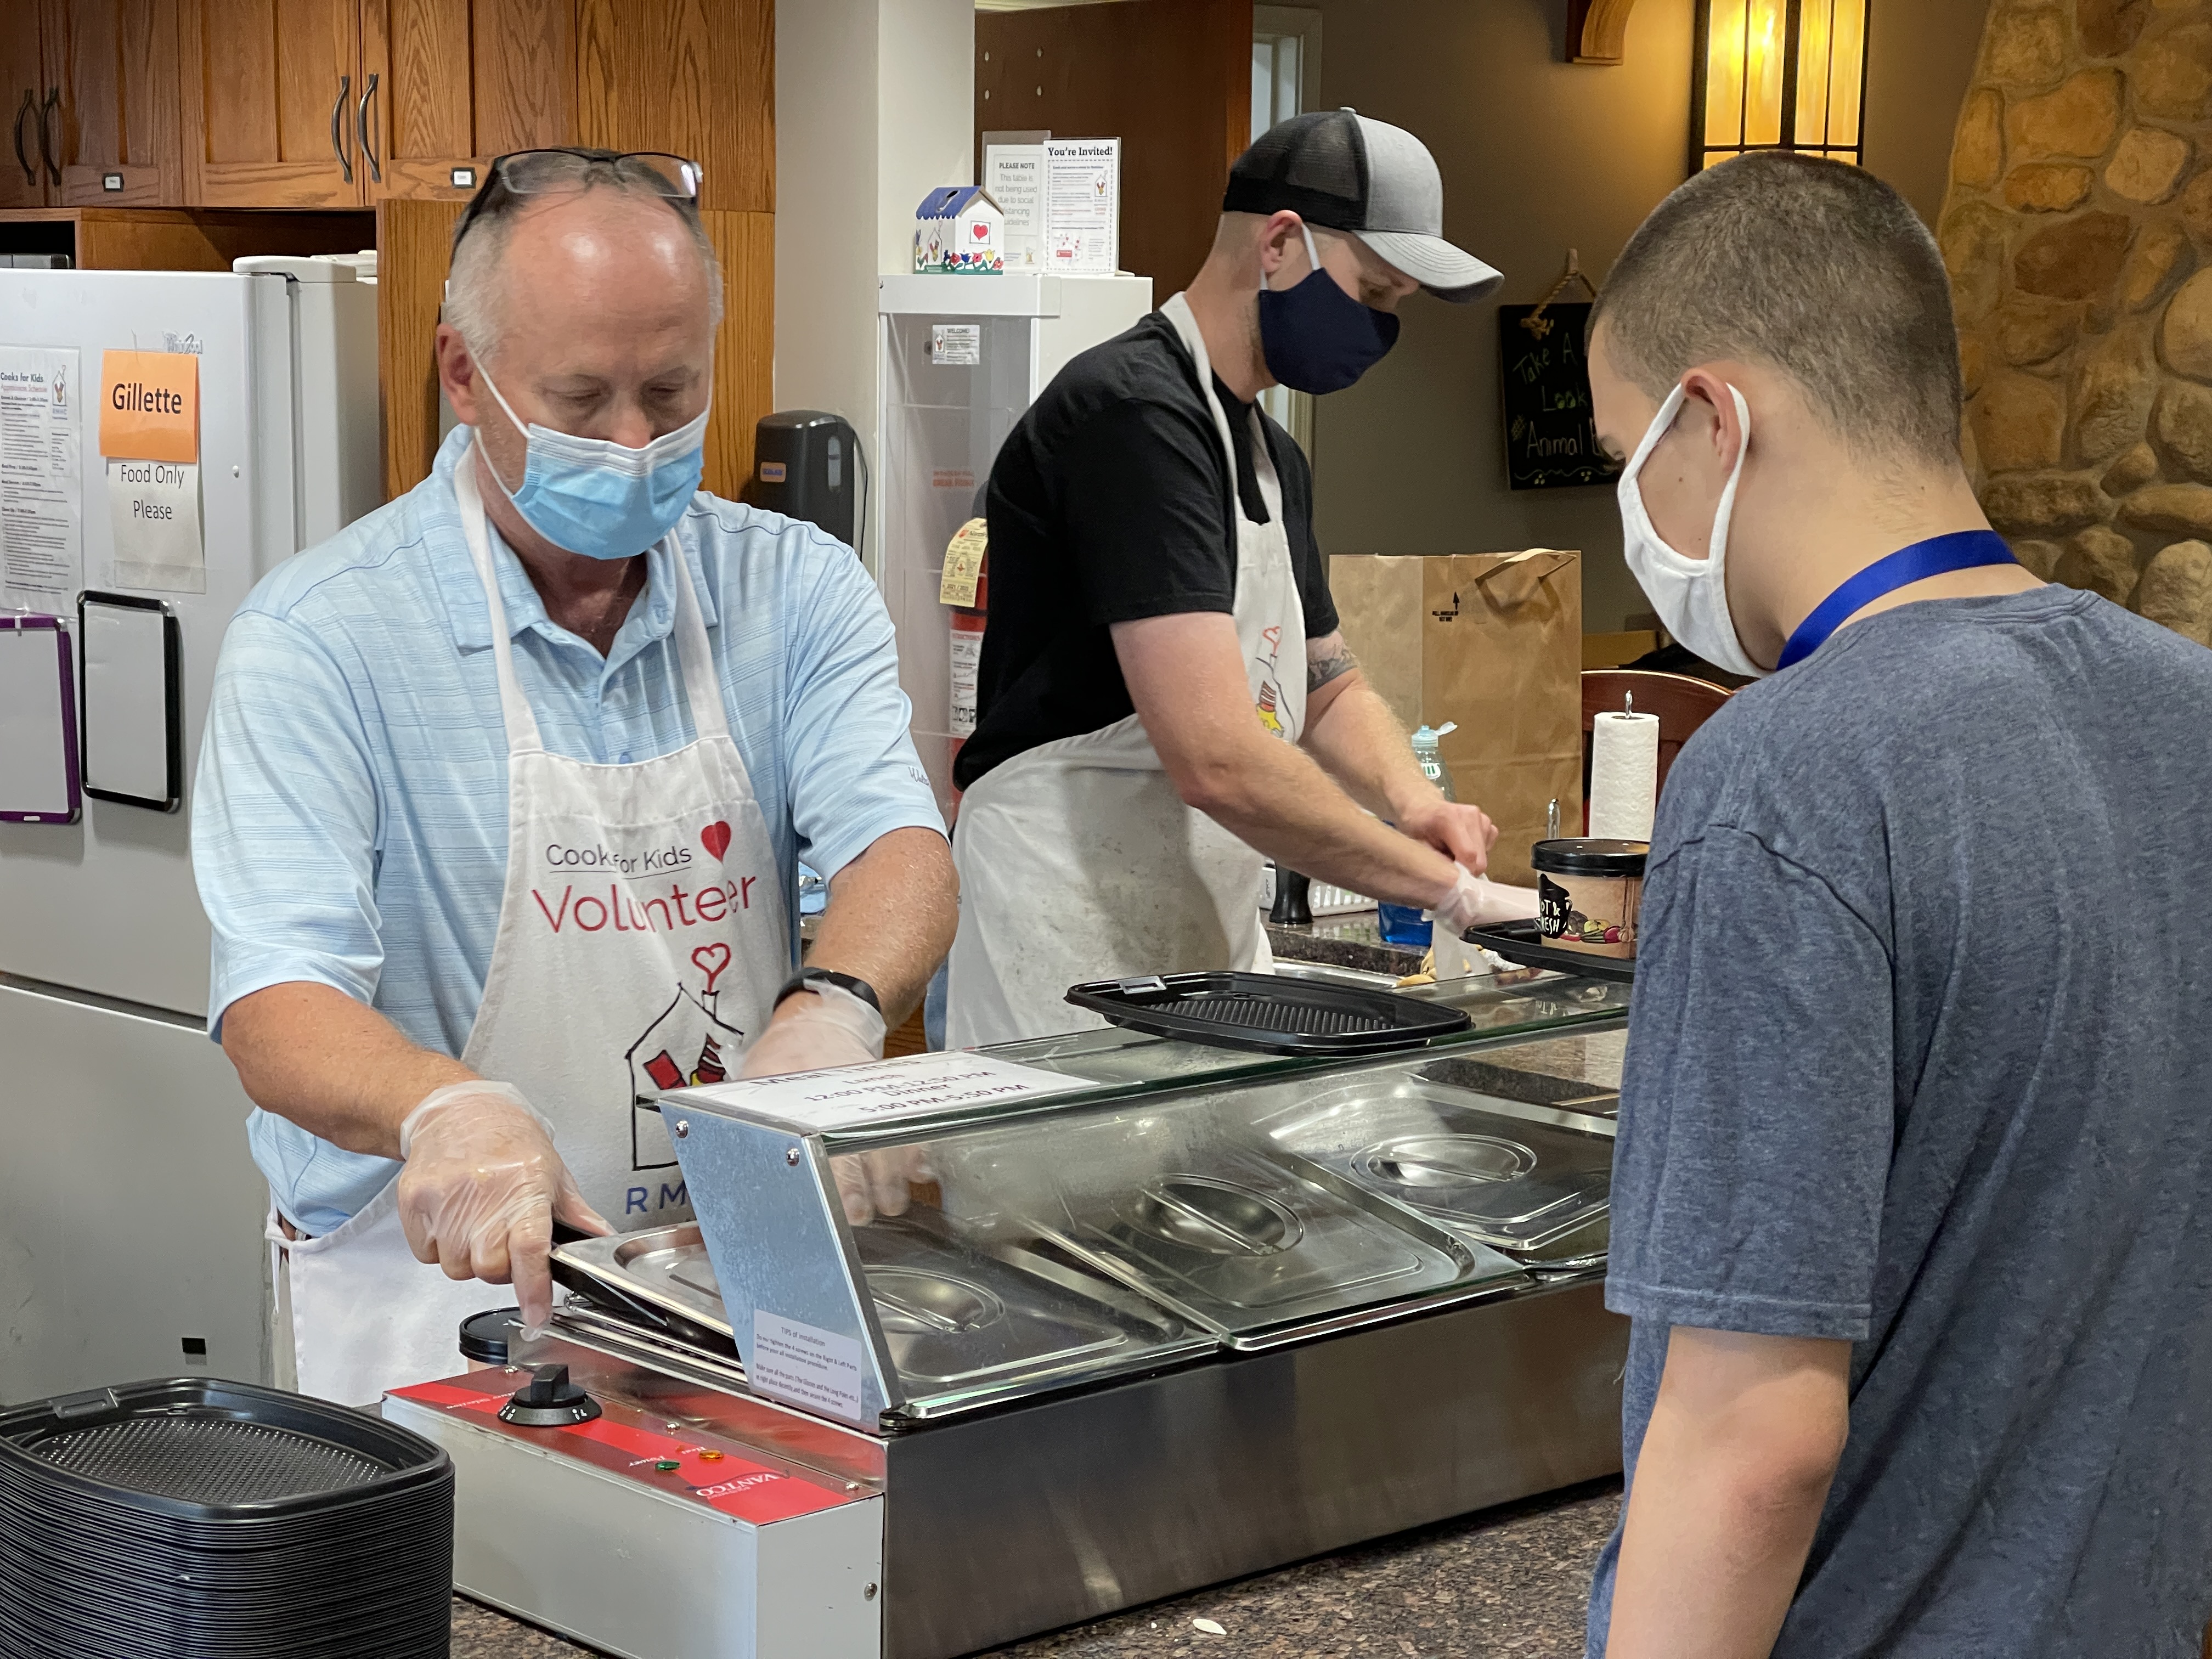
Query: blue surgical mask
(593, 497)
(1316, 337)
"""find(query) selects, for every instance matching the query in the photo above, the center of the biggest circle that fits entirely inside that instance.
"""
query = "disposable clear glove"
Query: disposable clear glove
(880, 1183)
(481, 1188)
(822, 1026)
(1478, 902)
(833, 1027)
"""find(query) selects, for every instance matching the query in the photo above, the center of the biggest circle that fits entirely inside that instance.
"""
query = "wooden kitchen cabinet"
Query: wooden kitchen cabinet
(459, 82)
(326, 103)
(693, 77)
(114, 128)
(271, 92)
(23, 89)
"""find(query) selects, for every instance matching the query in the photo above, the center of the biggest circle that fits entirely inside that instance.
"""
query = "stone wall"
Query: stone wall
(2078, 232)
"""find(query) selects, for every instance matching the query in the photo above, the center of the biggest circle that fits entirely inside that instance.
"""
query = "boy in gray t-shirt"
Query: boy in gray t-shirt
(1912, 1208)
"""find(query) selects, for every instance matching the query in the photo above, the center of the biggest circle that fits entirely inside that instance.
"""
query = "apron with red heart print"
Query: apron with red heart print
(643, 938)
(643, 935)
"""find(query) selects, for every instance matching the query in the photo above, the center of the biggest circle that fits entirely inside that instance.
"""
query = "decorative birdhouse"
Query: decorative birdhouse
(959, 229)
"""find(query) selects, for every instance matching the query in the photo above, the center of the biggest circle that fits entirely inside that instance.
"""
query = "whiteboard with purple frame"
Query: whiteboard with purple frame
(38, 721)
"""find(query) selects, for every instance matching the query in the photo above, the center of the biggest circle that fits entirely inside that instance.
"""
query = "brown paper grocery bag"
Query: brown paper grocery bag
(1491, 641)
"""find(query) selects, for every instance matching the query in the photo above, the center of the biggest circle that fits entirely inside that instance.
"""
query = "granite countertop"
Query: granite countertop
(1351, 940)
(1510, 1580)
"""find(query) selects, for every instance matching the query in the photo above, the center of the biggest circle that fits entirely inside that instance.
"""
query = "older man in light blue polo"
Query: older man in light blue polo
(504, 790)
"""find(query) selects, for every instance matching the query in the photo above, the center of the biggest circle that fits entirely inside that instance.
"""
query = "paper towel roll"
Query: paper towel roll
(1624, 776)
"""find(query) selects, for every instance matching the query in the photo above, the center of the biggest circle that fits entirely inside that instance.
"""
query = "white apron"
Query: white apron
(641, 940)
(1079, 861)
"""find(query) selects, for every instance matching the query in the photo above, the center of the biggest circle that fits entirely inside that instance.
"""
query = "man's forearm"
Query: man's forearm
(333, 1065)
(1360, 742)
(1729, 1485)
(1186, 676)
(891, 918)
(1275, 798)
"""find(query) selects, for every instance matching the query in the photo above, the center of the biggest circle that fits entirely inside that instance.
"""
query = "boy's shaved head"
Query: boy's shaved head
(1814, 266)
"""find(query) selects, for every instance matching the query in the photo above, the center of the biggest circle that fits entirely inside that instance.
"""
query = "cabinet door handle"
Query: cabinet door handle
(338, 131)
(368, 148)
(22, 161)
(46, 138)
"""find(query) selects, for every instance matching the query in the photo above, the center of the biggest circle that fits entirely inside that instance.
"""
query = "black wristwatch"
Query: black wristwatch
(807, 978)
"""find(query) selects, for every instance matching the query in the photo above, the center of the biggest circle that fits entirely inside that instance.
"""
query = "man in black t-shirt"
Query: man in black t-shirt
(1164, 695)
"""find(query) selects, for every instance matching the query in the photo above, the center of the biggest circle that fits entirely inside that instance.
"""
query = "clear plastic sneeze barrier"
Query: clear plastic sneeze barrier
(1053, 1213)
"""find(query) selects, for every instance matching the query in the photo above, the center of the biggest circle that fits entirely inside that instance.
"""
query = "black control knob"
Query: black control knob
(550, 1401)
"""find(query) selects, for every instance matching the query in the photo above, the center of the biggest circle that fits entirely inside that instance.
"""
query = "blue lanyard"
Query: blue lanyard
(1962, 550)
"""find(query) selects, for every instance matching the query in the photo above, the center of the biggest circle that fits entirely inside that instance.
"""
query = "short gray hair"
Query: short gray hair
(474, 294)
(1814, 266)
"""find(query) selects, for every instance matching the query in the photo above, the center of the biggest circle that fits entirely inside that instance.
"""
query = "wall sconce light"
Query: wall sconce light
(1777, 75)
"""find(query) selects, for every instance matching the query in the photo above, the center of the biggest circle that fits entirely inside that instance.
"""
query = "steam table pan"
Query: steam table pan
(957, 1320)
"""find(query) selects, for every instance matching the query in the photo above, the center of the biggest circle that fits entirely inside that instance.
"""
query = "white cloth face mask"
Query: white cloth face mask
(1690, 595)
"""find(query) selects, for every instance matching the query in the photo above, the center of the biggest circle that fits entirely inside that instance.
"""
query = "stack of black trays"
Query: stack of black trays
(217, 1521)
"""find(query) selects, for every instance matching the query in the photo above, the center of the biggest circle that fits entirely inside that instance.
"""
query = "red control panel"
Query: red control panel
(625, 1441)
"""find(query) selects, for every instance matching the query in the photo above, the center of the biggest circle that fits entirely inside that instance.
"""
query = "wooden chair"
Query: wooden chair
(1681, 702)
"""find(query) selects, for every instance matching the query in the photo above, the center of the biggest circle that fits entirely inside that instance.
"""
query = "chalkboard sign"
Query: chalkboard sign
(1551, 442)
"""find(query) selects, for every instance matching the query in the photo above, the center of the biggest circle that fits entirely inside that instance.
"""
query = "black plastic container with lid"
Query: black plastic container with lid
(1588, 891)
(487, 1338)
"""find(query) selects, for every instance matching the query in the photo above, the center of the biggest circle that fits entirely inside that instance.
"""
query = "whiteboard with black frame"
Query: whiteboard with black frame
(133, 704)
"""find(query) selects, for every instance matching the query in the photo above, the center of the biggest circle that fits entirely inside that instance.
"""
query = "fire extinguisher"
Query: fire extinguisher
(968, 604)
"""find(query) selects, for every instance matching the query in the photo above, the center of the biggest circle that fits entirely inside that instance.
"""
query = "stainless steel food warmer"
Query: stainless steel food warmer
(1153, 1316)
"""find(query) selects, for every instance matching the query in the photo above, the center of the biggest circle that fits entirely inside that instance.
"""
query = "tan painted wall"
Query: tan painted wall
(1538, 157)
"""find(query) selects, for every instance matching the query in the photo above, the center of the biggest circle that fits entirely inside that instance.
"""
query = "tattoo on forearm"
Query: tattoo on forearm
(1321, 670)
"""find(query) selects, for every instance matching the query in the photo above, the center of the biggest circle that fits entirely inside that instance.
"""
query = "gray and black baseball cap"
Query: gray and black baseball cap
(1339, 169)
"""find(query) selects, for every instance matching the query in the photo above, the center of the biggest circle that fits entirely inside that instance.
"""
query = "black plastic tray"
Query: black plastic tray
(1271, 1014)
(1519, 941)
(160, 1547)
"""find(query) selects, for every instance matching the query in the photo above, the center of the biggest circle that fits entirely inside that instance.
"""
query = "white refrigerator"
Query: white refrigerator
(130, 1212)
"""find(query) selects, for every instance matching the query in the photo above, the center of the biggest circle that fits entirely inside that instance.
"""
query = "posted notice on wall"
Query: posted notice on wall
(1014, 173)
(913, 1085)
(1082, 206)
(149, 434)
(41, 478)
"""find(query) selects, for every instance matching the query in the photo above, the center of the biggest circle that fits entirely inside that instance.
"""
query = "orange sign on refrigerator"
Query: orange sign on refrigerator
(149, 405)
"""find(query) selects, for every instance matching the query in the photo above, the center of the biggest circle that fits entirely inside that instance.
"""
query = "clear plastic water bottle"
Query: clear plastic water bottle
(1401, 924)
(1425, 751)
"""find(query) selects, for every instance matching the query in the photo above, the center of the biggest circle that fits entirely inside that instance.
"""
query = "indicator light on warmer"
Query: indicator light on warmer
(710, 1457)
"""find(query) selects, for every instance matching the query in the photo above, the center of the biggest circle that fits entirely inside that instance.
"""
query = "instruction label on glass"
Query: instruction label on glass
(41, 478)
(150, 432)
(805, 1364)
(913, 1085)
(1082, 206)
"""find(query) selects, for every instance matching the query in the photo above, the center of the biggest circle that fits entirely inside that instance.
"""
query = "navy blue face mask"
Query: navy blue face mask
(1316, 337)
